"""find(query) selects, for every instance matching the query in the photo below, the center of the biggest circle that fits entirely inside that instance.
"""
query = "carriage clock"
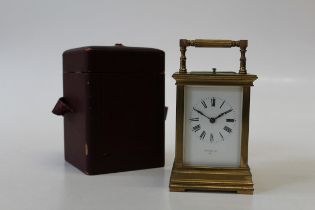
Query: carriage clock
(212, 124)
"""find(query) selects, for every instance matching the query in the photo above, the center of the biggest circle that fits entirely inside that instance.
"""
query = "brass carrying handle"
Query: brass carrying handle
(214, 43)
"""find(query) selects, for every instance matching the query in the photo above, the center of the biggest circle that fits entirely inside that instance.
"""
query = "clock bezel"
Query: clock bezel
(211, 79)
(187, 125)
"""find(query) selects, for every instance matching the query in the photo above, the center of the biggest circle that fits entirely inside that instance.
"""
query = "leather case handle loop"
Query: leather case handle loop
(61, 107)
(213, 43)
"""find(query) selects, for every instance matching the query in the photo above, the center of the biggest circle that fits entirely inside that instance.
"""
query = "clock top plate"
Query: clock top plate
(217, 78)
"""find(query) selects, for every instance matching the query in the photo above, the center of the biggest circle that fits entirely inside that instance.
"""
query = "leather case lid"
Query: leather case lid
(114, 59)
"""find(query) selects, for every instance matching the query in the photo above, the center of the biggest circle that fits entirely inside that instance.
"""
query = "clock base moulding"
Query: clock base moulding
(237, 180)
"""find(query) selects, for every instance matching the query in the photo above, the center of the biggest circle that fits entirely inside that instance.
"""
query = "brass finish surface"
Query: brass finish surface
(185, 178)
(184, 43)
(210, 43)
(179, 126)
(214, 79)
(231, 180)
(196, 177)
(245, 126)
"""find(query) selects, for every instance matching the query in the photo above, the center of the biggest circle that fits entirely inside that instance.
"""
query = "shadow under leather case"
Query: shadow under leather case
(114, 108)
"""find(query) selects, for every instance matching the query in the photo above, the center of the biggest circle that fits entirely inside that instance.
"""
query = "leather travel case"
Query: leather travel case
(114, 108)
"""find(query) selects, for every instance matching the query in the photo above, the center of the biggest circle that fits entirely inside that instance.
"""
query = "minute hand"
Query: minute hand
(201, 113)
(223, 113)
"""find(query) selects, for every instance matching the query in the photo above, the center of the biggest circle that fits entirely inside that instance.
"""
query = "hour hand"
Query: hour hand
(201, 113)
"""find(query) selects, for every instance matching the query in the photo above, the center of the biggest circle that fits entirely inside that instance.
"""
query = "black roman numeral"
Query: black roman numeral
(221, 136)
(230, 120)
(227, 129)
(213, 101)
(203, 134)
(228, 111)
(222, 104)
(196, 128)
(211, 137)
(204, 103)
(194, 119)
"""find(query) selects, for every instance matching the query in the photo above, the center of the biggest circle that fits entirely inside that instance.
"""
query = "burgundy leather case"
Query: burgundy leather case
(113, 108)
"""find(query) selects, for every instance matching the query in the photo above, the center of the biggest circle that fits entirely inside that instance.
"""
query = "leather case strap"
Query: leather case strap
(61, 107)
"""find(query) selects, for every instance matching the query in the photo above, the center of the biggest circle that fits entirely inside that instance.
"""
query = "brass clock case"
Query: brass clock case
(237, 179)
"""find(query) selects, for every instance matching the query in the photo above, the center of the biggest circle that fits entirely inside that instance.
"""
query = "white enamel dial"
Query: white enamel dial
(212, 125)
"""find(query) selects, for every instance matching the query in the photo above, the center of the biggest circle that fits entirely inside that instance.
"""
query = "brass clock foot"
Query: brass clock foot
(245, 192)
(177, 189)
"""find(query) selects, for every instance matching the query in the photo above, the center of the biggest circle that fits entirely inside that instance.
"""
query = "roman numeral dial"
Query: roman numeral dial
(196, 128)
(227, 129)
(212, 101)
(203, 134)
(194, 119)
(204, 104)
(212, 119)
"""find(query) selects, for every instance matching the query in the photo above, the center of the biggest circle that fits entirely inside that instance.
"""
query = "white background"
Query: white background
(33, 35)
